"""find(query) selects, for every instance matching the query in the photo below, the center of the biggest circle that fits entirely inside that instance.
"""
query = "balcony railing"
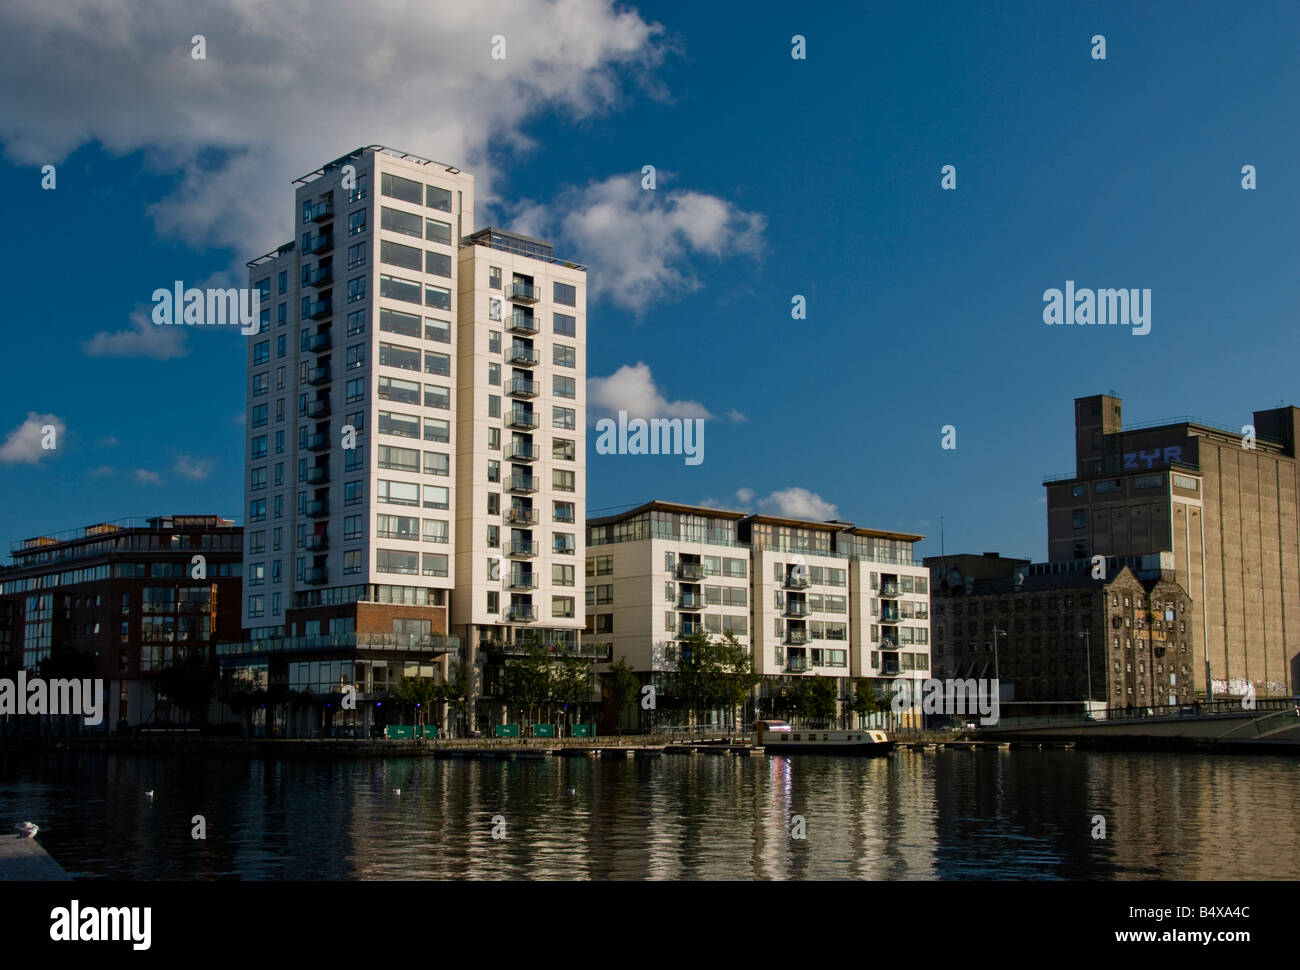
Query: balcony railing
(318, 475)
(795, 609)
(888, 643)
(319, 408)
(690, 630)
(796, 636)
(523, 356)
(688, 602)
(320, 310)
(524, 293)
(521, 614)
(318, 508)
(315, 576)
(321, 375)
(521, 322)
(316, 543)
(317, 442)
(889, 589)
(521, 483)
(321, 276)
(690, 570)
(796, 665)
(330, 642)
(521, 516)
(523, 580)
(319, 343)
(522, 387)
(521, 451)
(519, 648)
(521, 549)
(889, 670)
(890, 616)
(322, 211)
(520, 418)
(320, 243)
(796, 579)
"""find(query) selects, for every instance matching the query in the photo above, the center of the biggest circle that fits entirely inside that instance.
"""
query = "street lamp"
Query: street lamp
(997, 681)
(1087, 644)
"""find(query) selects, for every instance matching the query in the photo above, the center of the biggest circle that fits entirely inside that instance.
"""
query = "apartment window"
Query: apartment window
(493, 602)
(355, 390)
(437, 198)
(494, 405)
(436, 463)
(358, 192)
(256, 606)
(258, 479)
(493, 470)
(399, 459)
(562, 606)
(396, 254)
(435, 564)
(562, 449)
(259, 414)
(494, 439)
(564, 325)
(397, 288)
(562, 356)
(397, 493)
(494, 308)
(256, 542)
(281, 346)
(562, 480)
(261, 352)
(259, 447)
(257, 510)
(437, 330)
(391, 355)
(357, 255)
(264, 289)
(283, 281)
(564, 418)
(439, 429)
(353, 493)
(564, 294)
(397, 561)
(436, 231)
(351, 527)
(282, 314)
(562, 511)
(437, 396)
(563, 543)
(395, 220)
(356, 289)
(260, 385)
(435, 530)
(397, 527)
(351, 562)
(436, 363)
(494, 277)
(494, 341)
(493, 503)
(564, 386)
(437, 497)
(396, 187)
(437, 264)
(437, 296)
(356, 222)
(494, 536)
(1080, 517)
(604, 565)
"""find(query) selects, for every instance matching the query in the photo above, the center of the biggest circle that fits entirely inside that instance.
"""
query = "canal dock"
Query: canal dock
(25, 860)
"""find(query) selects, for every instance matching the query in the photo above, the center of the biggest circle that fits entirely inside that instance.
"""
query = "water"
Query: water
(914, 815)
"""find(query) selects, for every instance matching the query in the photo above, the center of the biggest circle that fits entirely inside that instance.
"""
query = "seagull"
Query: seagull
(27, 830)
(149, 793)
(397, 791)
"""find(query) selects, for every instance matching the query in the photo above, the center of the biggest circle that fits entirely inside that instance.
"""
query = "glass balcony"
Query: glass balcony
(521, 451)
(523, 356)
(796, 579)
(888, 643)
(523, 580)
(316, 543)
(524, 293)
(319, 408)
(690, 570)
(795, 608)
(318, 508)
(521, 483)
(889, 670)
(321, 375)
(521, 614)
(320, 310)
(322, 211)
(796, 665)
(689, 630)
(321, 243)
(317, 442)
(890, 616)
(521, 322)
(521, 516)
(315, 576)
(889, 589)
(521, 549)
(688, 601)
(524, 420)
(319, 343)
(321, 276)
(798, 636)
(522, 387)
(318, 475)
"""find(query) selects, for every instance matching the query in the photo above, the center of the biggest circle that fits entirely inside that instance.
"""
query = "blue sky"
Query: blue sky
(776, 177)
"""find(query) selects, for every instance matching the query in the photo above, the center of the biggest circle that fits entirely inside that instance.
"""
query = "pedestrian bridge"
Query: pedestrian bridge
(1267, 719)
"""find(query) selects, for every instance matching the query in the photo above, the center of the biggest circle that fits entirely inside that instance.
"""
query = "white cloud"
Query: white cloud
(146, 477)
(640, 243)
(632, 388)
(23, 445)
(193, 468)
(745, 496)
(103, 471)
(291, 85)
(799, 503)
(144, 339)
(736, 416)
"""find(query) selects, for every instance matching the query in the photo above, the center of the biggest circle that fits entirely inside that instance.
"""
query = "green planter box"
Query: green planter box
(507, 730)
(584, 730)
(399, 731)
(543, 730)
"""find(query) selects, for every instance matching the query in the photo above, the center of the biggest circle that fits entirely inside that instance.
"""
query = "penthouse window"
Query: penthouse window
(395, 254)
(436, 231)
(396, 561)
(437, 198)
(437, 264)
(565, 294)
(404, 190)
(564, 325)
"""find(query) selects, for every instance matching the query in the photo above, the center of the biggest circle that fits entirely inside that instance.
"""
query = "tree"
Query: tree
(822, 699)
(696, 684)
(625, 689)
(573, 683)
(189, 683)
(421, 691)
(736, 676)
(456, 688)
(528, 680)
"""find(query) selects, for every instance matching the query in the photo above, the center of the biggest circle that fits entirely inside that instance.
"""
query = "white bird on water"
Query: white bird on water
(397, 791)
(27, 830)
(149, 794)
